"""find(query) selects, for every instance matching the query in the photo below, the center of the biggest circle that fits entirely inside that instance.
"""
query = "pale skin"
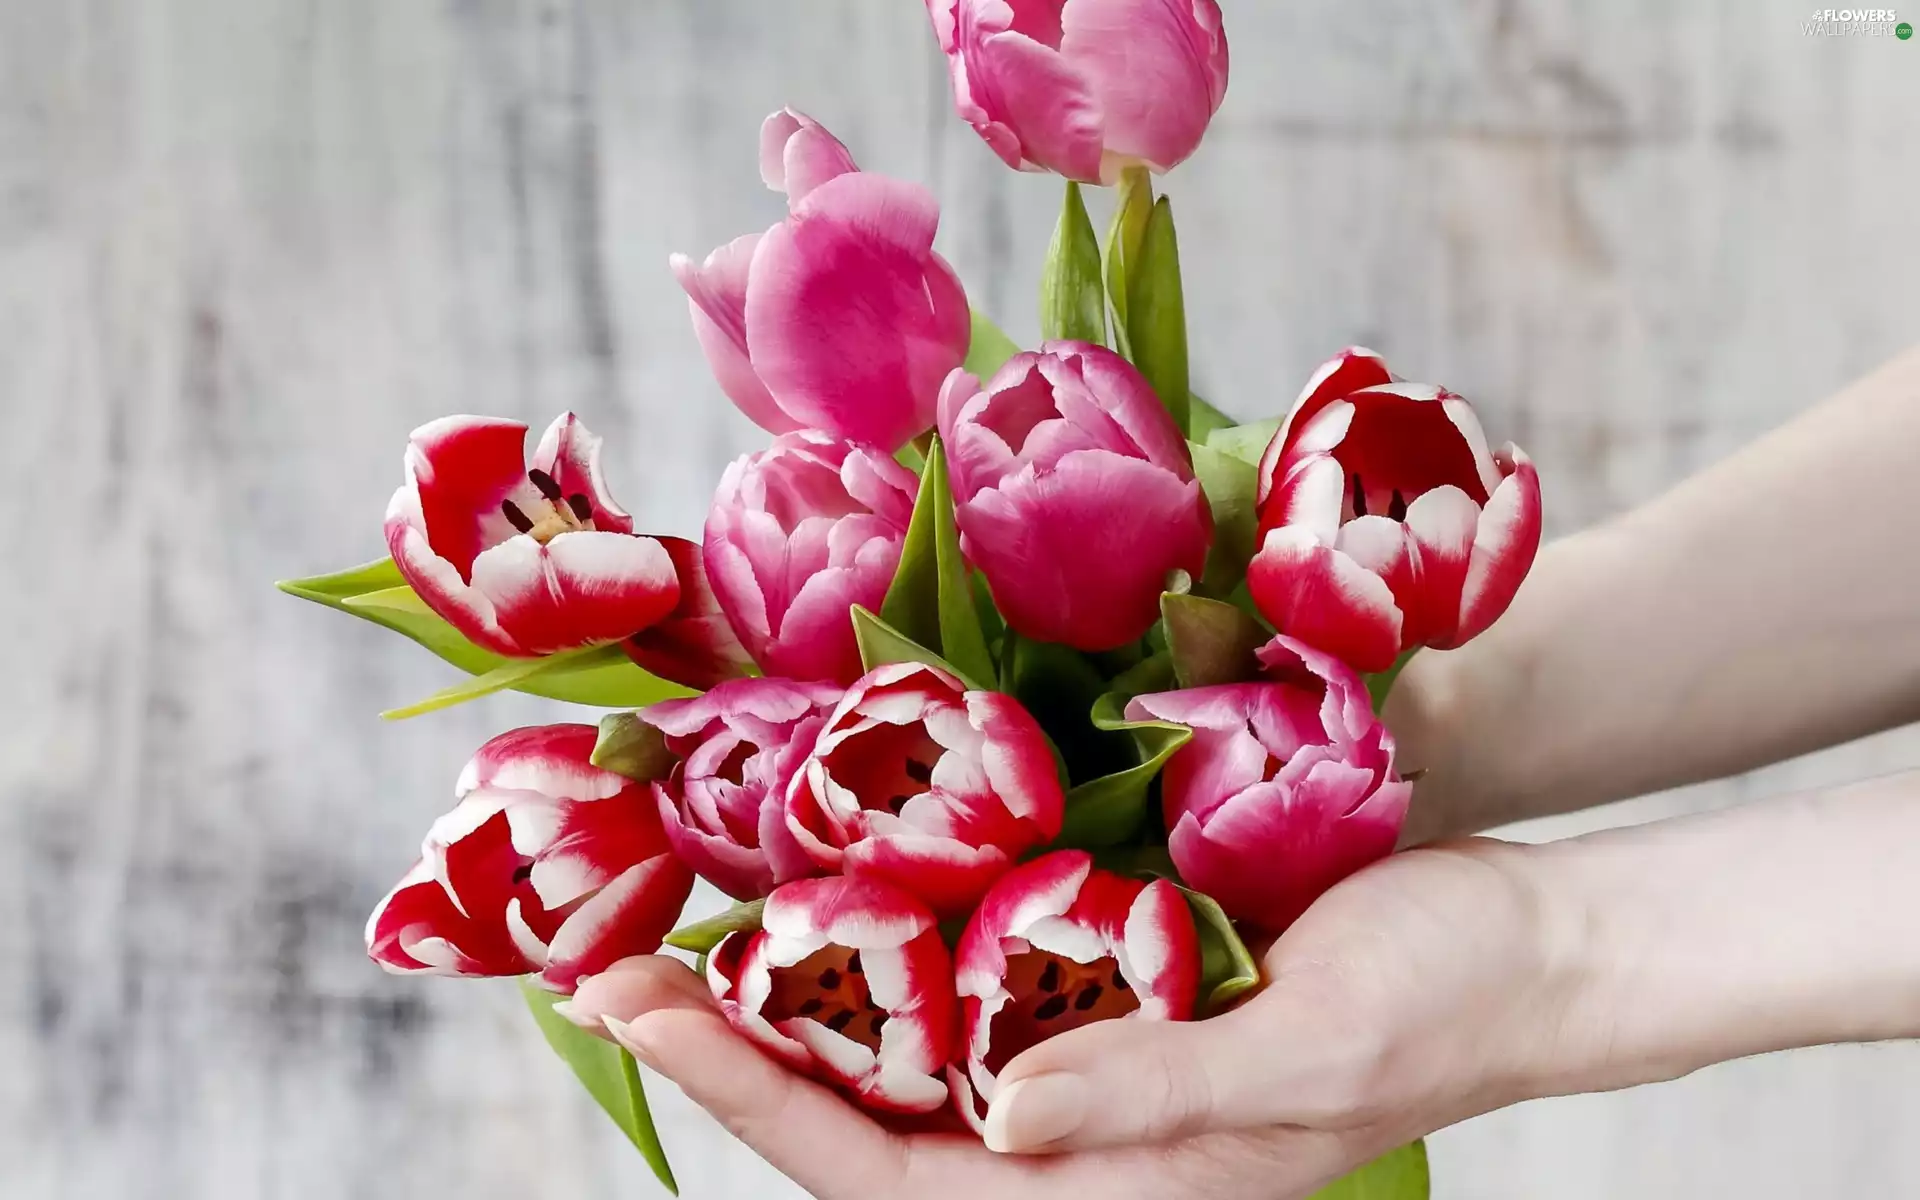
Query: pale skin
(1766, 607)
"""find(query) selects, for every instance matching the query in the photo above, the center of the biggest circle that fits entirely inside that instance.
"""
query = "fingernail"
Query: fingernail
(1032, 1113)
(624, 1034)
(566, 1009)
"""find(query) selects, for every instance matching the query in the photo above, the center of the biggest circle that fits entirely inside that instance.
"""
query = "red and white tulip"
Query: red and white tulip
(1059, 943)
(1074, 493)
(547, 866)
(925, 785)
(798, 534)
(1386, 523)
(724, 804)
(1286, 788)
(847, 980)
(840, 318)
(523, 559)
(1085, 87)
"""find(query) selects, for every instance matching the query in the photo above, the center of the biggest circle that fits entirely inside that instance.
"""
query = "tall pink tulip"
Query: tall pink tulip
(1059, 943)
(797, 534)
(841, 317)
(523, 559)
(1085, 87)
(1386, 523)
(724, 804)
(548, 866)
(1287, 787)
(1074, 493)
(847, 981)
(922, 784)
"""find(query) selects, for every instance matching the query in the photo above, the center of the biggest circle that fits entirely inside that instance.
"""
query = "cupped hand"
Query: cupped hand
(1422, 991)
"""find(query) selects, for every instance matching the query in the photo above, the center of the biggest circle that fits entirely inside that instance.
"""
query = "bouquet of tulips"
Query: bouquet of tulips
(1006, 690)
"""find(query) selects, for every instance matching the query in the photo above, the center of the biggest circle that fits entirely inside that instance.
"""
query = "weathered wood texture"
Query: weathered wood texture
(245, 245)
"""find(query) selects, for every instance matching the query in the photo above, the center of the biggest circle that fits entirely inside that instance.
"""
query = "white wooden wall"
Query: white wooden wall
(245, 245)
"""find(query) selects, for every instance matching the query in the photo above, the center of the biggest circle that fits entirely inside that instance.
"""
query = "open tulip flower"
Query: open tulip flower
(1085, 87)
(1059, 943)
(1074, 493)
(930, 787)
(840, 318)
(798, 534)
(1286, 788)
(723, 805)
(524, 559)
(548, 866)
(1385, 521)
(847, 980)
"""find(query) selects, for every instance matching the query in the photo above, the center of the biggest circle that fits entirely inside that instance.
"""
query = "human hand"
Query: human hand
(1424, 990)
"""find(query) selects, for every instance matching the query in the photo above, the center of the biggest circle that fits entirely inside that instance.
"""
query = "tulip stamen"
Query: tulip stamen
(546, 483)
(566, 513)
(1359, 496)
(515, 517)
(1397, 507)
(583, 510)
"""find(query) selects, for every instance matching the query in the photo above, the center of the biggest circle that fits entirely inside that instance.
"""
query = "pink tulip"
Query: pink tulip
(922, 784)
(723, 806)
(695, 643)
(797, 534)
(1385, 522)
(847, 981)
(548, 865)
(1287, 787)
(1074, 493)
(523, 560)
(1085, 87)
(841, 317)
(1059, 943)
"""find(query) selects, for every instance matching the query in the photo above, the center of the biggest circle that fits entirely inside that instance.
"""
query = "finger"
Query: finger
(1276, 1060)
(630, 987)
(809, 1134)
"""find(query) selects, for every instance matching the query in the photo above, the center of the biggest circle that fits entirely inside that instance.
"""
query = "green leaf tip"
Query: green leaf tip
(1072, 303)
(609, 1075)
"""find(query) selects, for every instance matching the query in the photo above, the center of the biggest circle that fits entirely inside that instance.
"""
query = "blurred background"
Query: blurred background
(246, 245)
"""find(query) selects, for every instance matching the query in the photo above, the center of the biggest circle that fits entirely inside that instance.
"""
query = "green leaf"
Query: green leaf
(1154, 673)
(1071, 302)
(629, 746)
(931, 597)
(881, 643)
(378, 593)
(1109, 810)
(1245, 442)
(1133, 205)
(630, 686)
(1057, 685)
(989, 349)
(610, 1076)
(1204, 420)
(1210, 641)
(1157, 314)
(700, 937)
(1230, 486)
(1227, 968)
(1401, 1175)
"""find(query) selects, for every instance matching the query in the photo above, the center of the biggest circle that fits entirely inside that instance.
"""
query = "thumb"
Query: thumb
(1282, 1058)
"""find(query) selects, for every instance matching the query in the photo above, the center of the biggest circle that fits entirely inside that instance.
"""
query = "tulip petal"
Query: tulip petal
(579, 588)
(1504, 546)
(570, 455)
(846, 324)
(628, 916)
(797, 154)
(717, 301)
(1156, 74)
(1313, 592)
(1007, 81)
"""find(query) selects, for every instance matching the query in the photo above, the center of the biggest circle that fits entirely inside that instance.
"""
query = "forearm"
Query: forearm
(1694, 941)
(1766, 607)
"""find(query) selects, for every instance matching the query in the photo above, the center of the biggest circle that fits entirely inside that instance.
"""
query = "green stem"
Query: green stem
(1380, 683)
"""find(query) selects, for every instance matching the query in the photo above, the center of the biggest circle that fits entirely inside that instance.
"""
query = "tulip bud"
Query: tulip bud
(523, 560)
(841, 317)
(1059, 943)
(1385, 522)
(723, 805)
(1286, 788)
(547, 865)
(927, 786)
(797, 534)
(1074, 493)
(847, 980)
(1085, 88)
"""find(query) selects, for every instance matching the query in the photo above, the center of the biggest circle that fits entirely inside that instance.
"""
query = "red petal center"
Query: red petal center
(1051, 995)
(886, 766)
(829, 987)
